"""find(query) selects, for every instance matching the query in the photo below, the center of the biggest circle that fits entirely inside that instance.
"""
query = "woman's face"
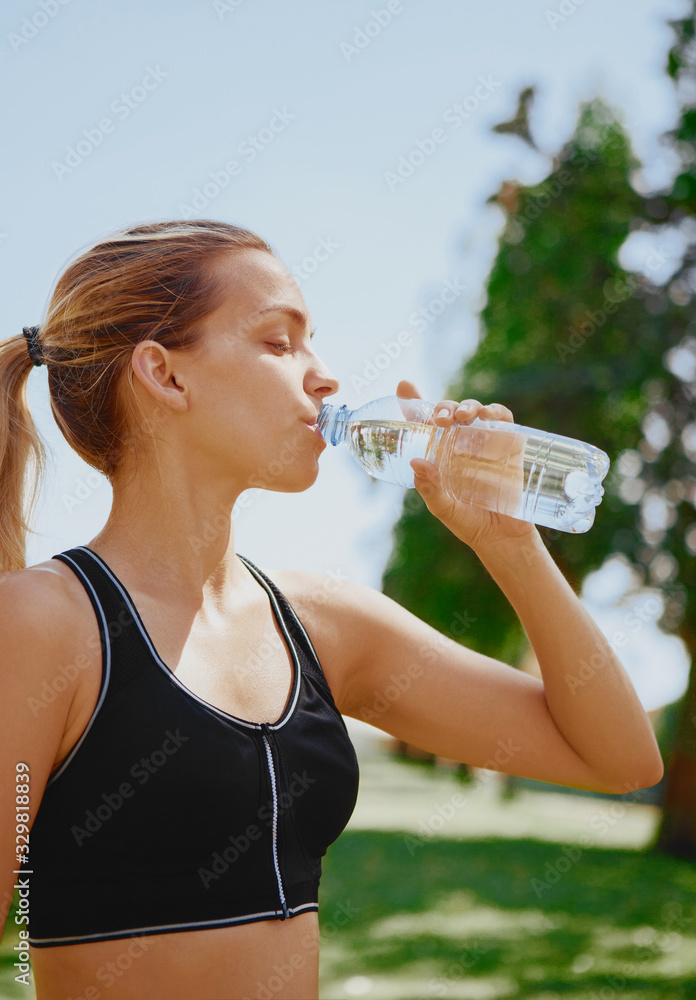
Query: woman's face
(257, 385)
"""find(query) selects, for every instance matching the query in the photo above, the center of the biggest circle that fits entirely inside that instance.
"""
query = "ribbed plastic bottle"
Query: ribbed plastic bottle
(531, 475)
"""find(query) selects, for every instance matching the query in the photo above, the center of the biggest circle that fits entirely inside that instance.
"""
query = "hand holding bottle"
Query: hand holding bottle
(475, 526)
(479, 472)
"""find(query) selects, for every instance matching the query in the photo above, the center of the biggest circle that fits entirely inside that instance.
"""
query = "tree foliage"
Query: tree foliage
(574, 344)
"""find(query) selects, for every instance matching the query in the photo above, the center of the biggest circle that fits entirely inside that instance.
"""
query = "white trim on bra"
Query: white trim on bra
(289, 708)
(164, 928)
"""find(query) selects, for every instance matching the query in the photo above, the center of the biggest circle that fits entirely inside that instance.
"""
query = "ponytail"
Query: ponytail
(22, 454)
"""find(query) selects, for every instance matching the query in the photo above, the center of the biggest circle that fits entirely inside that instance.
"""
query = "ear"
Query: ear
(153, 366)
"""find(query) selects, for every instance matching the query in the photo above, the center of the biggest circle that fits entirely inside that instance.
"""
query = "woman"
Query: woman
(176, 710)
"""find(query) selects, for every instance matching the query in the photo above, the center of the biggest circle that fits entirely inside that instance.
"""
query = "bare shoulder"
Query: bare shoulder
(38, 631)
(44, 613)
(44, 592)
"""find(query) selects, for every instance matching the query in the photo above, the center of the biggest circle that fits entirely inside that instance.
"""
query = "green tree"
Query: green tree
(576, 345)
(674, 468)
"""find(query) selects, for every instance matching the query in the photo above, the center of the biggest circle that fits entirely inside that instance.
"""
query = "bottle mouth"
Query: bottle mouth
(331, 422)
(323, 418)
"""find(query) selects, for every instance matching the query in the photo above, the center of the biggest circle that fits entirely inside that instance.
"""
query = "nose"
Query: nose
(321, 379)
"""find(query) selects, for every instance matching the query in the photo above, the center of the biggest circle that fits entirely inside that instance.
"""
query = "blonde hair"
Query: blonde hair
(154, 281)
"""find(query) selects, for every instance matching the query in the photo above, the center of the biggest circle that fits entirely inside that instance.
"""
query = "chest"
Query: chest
(246, 669)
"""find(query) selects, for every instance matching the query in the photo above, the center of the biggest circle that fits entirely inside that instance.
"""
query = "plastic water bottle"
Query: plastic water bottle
(531, 475)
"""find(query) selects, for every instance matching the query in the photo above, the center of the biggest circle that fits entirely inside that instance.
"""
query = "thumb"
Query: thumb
(407, 390)
(419, 410)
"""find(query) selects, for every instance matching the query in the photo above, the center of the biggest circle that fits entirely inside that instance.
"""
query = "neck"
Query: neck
(175, 538)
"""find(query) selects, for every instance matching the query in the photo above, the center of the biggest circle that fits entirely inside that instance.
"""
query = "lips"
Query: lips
(315, 427)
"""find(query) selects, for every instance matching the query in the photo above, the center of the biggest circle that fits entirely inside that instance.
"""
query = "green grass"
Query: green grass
(9, 989)
(462, 919)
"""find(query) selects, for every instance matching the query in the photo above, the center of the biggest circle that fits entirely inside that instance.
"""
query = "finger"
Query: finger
(407, 390)
(428, 482)
(413, 406)
(448, 410)
(496, 411)
(470, 409)
(426, 478)
(444, 411)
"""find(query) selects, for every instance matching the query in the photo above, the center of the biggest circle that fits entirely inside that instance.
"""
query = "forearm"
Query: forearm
(589, 694)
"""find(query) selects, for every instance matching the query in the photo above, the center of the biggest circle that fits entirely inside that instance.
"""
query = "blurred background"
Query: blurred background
(494, 201)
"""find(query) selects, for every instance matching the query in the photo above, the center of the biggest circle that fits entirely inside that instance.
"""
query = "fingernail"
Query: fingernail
(442, 413)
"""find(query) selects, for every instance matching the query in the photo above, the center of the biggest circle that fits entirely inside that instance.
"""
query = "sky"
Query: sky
(300, 121)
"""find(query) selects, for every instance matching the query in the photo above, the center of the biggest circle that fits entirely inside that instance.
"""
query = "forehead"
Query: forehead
(252, 280)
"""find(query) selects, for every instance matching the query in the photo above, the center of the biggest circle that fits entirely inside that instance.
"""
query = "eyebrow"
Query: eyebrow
(295, 314)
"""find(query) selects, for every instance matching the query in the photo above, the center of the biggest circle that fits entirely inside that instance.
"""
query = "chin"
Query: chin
(297, 483)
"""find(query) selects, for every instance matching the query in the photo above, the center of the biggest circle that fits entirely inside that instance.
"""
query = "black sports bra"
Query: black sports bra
(171, 815)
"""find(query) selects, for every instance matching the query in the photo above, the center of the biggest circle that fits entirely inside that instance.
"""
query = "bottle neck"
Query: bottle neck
(333, 423)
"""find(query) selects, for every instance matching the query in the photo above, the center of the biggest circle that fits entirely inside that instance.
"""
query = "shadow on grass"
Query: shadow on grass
(554, 920)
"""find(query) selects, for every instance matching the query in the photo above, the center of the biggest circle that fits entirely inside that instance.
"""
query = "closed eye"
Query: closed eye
(282, 347)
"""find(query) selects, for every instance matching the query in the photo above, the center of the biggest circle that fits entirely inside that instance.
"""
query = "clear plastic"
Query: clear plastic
(535, 476)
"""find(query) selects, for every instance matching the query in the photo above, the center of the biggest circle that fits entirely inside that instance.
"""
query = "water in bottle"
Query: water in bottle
(532, 475)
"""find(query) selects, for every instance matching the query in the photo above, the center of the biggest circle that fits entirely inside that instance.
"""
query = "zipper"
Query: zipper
(267, 738)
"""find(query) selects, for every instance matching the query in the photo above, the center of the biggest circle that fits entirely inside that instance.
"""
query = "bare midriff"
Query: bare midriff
(276, 958)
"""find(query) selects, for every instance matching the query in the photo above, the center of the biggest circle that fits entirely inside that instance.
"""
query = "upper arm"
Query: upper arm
(34, 640)
(393, 670)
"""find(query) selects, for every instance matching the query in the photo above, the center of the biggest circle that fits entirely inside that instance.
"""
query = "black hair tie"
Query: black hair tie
(31, 334)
